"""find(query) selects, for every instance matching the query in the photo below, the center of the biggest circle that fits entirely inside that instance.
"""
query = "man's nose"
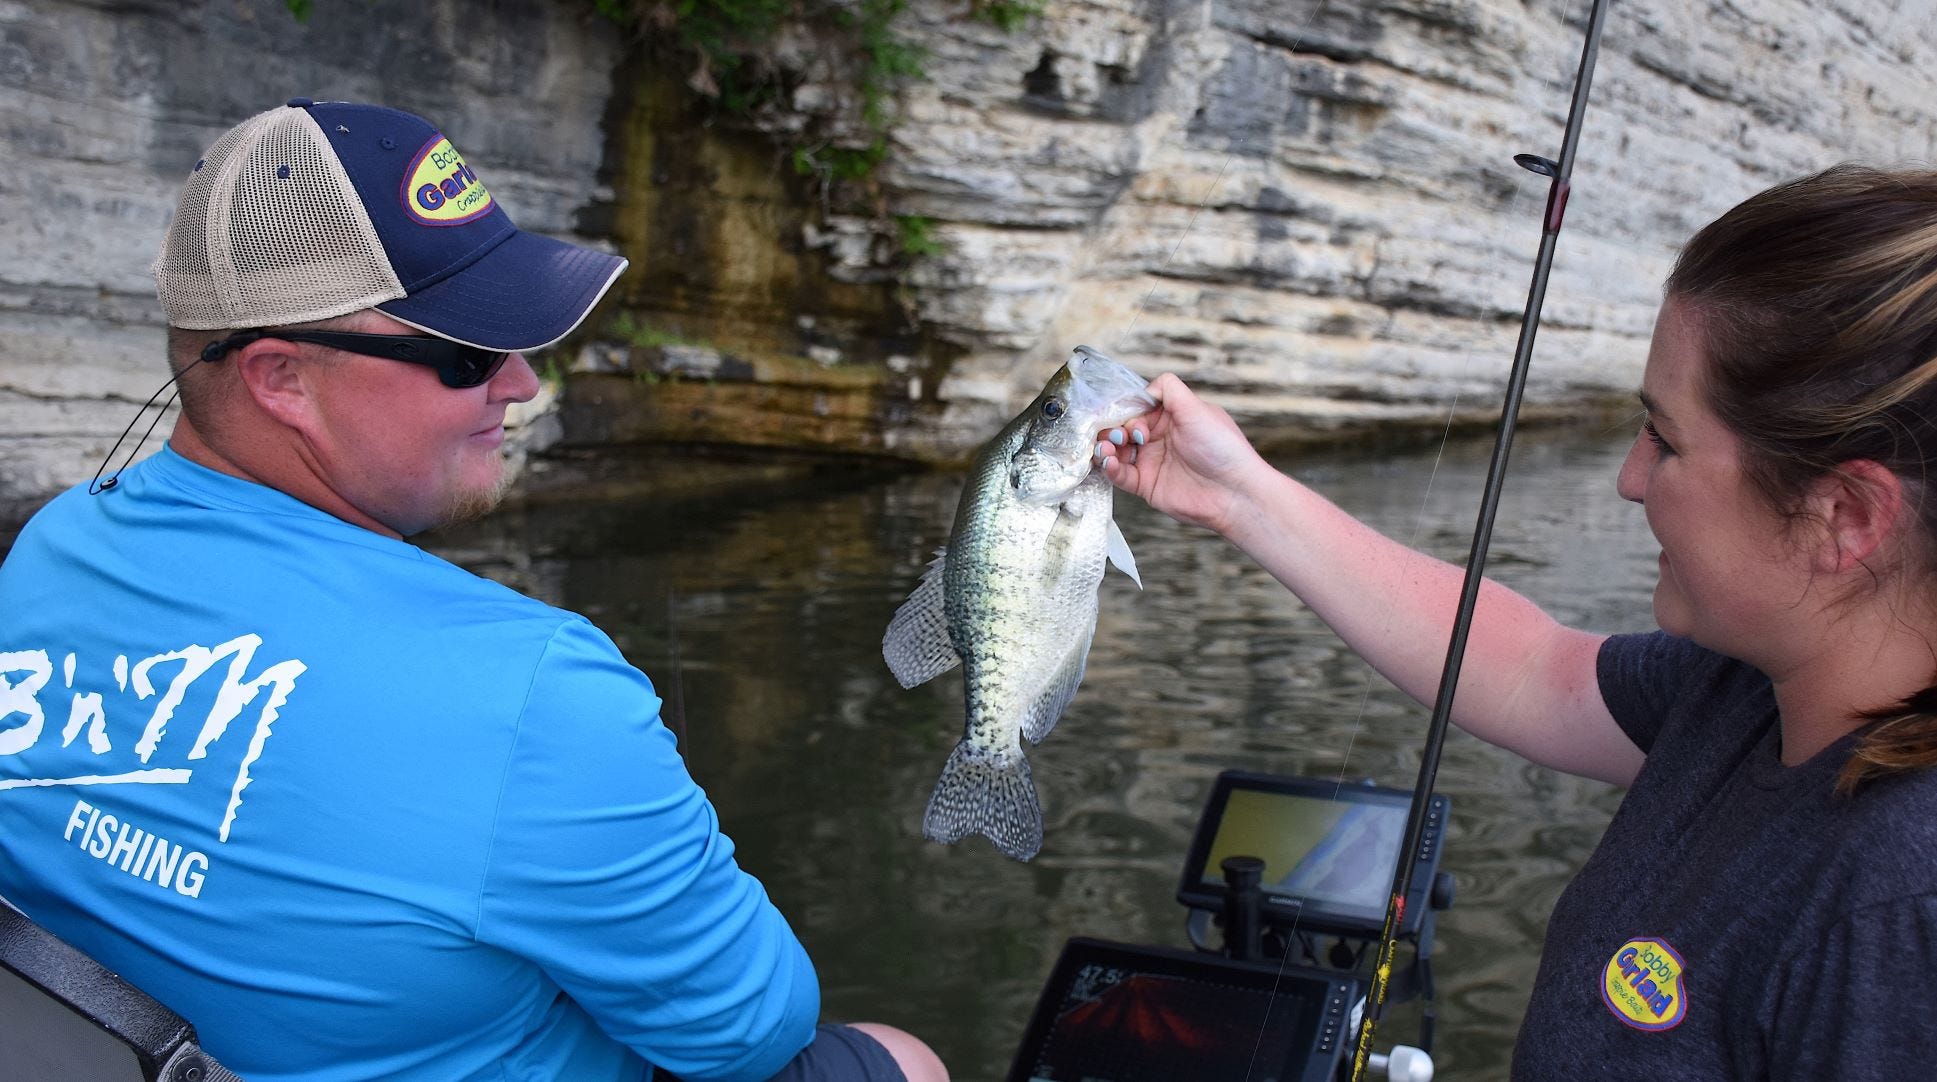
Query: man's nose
(515, 381)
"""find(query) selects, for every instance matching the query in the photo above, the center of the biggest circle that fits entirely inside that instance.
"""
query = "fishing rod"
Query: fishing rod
(1558, 172)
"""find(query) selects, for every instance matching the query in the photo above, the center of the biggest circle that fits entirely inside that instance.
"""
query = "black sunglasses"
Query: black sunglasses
(457, 364)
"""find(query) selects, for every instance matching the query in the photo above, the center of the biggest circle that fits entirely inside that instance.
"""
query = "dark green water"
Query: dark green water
(759, 615)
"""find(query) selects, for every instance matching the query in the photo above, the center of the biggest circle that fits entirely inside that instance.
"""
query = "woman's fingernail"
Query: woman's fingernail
(1136, 436)
(1101, 447)
(1116, 436)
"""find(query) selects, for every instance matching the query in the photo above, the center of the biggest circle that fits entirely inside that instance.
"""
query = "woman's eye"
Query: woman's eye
(1654, 437)
(1052, 409)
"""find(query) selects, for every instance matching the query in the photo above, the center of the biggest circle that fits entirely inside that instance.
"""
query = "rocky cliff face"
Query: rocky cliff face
(105, 106)
(1311, 208)
(1308, 208)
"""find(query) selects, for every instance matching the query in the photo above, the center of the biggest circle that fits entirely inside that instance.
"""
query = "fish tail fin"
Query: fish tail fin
(990, 795)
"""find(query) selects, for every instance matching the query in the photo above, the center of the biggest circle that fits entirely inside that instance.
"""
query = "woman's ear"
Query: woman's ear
(1858, 505)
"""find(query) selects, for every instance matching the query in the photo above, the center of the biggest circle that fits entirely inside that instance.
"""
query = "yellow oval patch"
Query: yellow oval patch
(1643, 985)
(439, 189)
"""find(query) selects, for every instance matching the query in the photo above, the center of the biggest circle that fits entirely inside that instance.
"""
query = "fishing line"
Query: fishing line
(1123, 337)
(1375, 1002)
(1452, 413)
(1557, 196)
(1223, 166)
(1559, 173)
(1516, 204)
(677, 704)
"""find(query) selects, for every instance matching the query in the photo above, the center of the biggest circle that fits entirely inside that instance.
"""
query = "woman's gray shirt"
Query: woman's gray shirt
(1739, 919)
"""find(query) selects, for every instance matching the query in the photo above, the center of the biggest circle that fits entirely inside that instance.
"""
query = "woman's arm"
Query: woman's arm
(1527, 683)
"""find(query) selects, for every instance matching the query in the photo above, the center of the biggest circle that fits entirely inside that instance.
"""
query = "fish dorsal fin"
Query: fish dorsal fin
(1119, 553)
(917, 645)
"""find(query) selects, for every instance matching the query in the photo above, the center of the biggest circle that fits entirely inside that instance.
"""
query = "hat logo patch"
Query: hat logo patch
(1645, 985)
(439, 189)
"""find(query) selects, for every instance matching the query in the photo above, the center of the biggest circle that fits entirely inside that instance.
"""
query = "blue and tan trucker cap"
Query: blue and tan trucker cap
(318, 209)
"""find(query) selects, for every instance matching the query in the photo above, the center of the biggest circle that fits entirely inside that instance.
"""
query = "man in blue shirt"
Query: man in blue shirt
(351, 810)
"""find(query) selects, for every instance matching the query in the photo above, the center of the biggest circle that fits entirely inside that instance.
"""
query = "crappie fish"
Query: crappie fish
(1012, 597)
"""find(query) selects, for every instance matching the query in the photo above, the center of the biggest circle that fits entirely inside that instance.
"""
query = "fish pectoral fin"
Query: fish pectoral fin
(1048, 708)
(986, 793)
(1060, 542)
(1119, 553)
(917, 645)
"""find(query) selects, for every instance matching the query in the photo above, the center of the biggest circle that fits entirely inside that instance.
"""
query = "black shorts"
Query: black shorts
(837, 1054)
(842, 1054)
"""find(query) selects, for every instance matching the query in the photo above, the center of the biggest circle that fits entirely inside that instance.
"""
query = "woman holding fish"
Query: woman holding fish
(1764, 903)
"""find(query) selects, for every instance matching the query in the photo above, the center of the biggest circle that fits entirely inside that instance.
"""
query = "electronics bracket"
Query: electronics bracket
(1253, 922)
(1287, 883)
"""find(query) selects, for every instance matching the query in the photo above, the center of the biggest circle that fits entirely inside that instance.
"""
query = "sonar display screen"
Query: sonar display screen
(1334, 855)
(1120, 1024)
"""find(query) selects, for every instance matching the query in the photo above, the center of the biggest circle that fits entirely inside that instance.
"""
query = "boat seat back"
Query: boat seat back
(64, 1016)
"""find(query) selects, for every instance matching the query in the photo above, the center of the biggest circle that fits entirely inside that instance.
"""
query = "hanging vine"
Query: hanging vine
(731, 46)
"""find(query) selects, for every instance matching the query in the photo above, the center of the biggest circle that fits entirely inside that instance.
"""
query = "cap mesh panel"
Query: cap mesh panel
(182, 274)
(269, 232)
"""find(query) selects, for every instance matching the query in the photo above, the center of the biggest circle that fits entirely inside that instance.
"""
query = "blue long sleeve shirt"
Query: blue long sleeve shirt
(356, 812)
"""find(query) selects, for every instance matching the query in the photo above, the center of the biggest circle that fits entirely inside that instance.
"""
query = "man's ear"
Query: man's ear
(273, 379)
(1858, 505)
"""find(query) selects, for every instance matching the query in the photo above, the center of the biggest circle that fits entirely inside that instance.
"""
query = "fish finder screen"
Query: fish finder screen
(1334, 855)
(1116, 1024)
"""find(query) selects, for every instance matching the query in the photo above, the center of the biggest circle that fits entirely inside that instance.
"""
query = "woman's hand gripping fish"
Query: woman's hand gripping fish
(1013, 597)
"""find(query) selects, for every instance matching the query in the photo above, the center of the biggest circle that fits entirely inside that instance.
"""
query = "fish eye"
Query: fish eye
(1052, 409)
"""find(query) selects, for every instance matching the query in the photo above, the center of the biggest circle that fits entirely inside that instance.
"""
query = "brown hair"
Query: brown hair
(1817, 303)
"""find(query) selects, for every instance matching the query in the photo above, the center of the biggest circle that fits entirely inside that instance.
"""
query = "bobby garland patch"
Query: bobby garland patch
(1643, 985)
(439, 189)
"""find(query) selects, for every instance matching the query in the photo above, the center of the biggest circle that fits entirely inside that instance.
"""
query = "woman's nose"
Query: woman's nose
(1632, 481)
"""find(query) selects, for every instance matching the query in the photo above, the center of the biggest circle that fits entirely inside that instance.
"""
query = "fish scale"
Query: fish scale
(1013, 598)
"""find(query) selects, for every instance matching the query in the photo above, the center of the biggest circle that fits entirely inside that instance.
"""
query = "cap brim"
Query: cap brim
(524, 294)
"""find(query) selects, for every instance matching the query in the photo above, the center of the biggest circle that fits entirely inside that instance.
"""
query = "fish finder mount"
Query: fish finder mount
(1280, 865)
(1277, 865)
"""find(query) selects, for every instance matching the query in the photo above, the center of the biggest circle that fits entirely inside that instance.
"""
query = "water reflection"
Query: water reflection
(759, 615)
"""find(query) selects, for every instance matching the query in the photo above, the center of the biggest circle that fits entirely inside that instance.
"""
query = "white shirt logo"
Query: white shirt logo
(25, 674)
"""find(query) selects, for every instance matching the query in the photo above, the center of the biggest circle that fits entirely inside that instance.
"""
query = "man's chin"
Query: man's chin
(468, 505)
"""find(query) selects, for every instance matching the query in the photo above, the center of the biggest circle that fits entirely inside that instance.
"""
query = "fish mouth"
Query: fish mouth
(1135, 404)
(1105, 389)
(1096, 393)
